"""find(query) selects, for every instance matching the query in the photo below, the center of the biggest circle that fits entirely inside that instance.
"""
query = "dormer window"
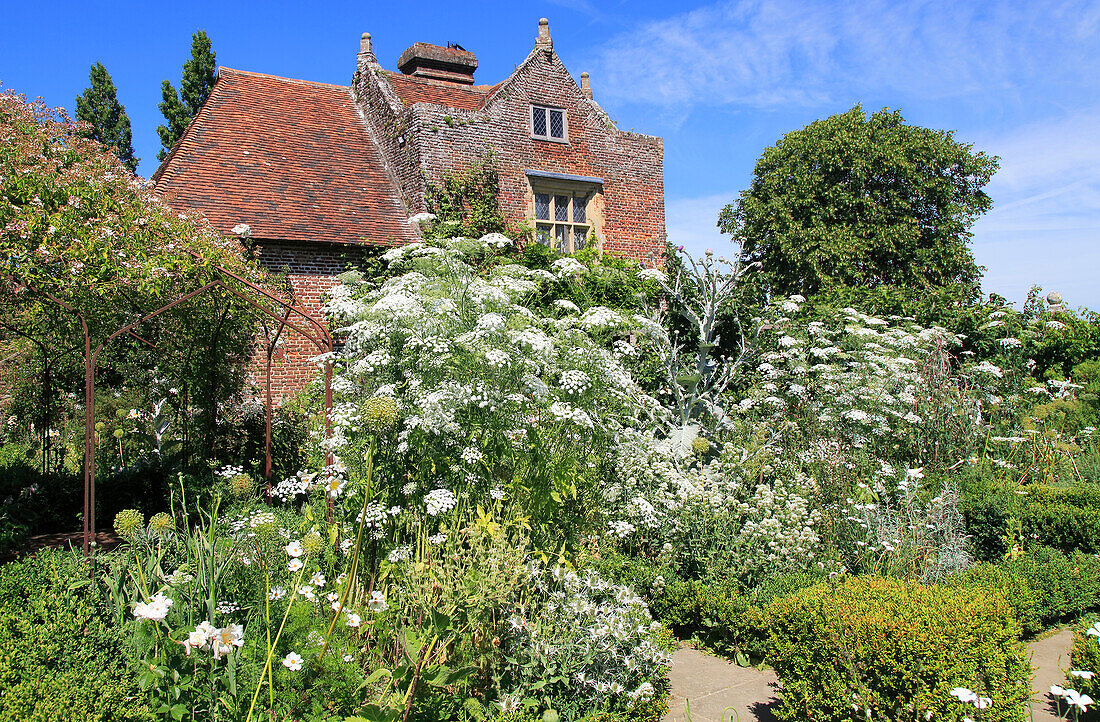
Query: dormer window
(548, 123)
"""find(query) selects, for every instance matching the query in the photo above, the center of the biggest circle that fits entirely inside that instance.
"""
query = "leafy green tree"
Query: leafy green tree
(198, 80)
(99, 107)
(858, 201)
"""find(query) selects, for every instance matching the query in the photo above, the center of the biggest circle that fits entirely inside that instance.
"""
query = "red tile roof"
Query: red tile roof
(419, 90)
(288, 157)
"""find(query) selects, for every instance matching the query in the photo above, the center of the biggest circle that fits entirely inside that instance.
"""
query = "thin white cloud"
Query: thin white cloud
(769, 53)
(1044, 228)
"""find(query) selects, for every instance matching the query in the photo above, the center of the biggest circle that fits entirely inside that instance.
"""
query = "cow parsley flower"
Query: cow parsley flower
(439, 501)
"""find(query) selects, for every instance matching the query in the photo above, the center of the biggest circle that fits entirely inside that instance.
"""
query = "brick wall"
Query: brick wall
(423, 141)
(311, 271)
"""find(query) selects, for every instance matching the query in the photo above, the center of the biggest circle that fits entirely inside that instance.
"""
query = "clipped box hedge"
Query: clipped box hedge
(896, 649)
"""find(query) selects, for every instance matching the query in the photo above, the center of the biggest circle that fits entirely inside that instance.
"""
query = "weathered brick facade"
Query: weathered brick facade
(312, 167)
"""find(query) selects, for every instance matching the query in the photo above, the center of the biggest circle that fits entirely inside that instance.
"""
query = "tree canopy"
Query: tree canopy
(853, 200)
(99, 107)
(180, 108)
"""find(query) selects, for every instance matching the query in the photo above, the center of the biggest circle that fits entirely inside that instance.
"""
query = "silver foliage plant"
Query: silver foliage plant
(702, 292)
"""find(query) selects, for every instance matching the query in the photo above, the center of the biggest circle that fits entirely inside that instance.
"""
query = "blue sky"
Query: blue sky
(719, 81)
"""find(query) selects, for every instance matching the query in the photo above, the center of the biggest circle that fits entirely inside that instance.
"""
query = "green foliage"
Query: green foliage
(896, 649)
(178, 109)
(99, 107)
(60, 657)
(467, 204)
(1012, 583)
(1065, 518)
(859, 201)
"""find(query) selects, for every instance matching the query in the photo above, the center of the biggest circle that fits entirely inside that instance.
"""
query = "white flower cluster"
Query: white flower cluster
(598, 637)
(439, 501)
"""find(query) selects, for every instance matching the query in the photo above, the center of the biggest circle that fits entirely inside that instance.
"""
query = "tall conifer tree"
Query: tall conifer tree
(110, 125)
(179, 108)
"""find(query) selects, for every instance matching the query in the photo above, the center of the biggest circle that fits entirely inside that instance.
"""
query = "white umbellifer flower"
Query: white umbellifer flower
(294, 548)
(348, 658)
(491, 322)
(353, 620)
(1009, 342)
(437, 539)
(155, 609)
(471, 455)
(439, 501)
(293, 661)
(496, 493)
(575, 382)
(495, 240)
(399, 554)
(294, 565)
(621, 529)
(243, 230)
(567, 305)
(497, 359)
(652, 274)
(377, 602)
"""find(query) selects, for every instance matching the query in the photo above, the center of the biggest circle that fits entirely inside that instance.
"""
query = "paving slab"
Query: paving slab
(1050, 660)
(717, 690)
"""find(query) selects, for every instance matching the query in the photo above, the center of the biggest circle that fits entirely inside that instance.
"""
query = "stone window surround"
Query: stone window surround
(589, 188)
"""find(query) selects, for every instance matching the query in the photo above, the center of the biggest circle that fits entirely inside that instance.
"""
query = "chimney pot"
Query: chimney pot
(544, 40)
(585, 87)
(366, 49)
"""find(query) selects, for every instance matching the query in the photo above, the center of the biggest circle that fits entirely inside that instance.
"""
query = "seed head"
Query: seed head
(128, 523)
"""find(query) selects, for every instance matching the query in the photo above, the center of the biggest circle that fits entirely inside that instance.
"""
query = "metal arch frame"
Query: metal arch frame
(319, 336)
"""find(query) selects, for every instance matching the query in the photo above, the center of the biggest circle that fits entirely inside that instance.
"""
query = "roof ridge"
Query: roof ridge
(253, 73)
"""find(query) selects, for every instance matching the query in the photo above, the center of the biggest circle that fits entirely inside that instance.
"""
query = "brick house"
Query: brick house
(318, 170)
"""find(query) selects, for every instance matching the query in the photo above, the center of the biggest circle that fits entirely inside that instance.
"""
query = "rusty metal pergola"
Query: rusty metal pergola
(308, 326)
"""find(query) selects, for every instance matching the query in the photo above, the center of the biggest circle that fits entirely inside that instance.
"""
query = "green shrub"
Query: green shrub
(896, 649)
(1066, 518)
(1012, 584)
(1067, 585)
(60, 659)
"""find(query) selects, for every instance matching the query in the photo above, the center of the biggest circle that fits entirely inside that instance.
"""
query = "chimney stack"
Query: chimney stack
(453, 64)
(366, 49)
(544, 42)
(585, 87)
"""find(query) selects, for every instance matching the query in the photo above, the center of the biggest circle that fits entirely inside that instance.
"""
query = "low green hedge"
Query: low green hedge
(896, 649)
(60, 657)
(1065, 518)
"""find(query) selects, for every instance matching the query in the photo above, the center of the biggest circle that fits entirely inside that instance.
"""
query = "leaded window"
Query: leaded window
(548, 123)
(561, 220)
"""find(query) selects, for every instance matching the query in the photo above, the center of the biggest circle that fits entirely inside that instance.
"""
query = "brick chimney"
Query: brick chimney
(453, 64)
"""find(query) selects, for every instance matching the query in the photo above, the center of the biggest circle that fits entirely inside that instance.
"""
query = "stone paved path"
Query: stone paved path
(719, 691)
